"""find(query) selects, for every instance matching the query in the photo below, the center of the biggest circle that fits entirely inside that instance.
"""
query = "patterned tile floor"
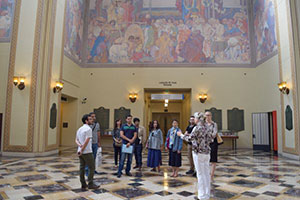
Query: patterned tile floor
(242, 174)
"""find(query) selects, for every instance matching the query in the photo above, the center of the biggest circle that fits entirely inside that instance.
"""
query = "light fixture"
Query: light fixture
(16, 80)
(283, 88)
(202, 98)
(20, 82)
(166, 105)
(166, 100)
(58, 87)
(132, 97)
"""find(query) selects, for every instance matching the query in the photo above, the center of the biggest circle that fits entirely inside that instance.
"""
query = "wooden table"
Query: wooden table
(233, 140)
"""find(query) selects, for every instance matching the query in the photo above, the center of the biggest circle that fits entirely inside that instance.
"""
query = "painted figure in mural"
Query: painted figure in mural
(192, 50)
(264, 28)
(166, 38)
(207, 8)
(128, 7)
(149, 35)
(164, 43)
(6, 15)
(74, 28)
(208, 34)
(118, 53)
(135, 39)
(183, 35)
(99, 51)
(219, 43)
(115, 12)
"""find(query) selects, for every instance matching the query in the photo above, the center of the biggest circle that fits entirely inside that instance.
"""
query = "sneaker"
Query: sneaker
(190, 172)
(135, 167)
(119, 175)
(116, 174)
(97, 172)
(128, 174)
(194, 174)
(93, 187)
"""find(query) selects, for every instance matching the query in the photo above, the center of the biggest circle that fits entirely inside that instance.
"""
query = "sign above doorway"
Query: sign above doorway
(167, 96)
(167, 83)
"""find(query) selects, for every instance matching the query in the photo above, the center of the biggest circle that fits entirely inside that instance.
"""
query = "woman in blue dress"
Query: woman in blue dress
(154, 145)
(174, 145)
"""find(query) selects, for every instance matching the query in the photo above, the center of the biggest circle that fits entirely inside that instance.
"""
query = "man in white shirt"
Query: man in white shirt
(84, 141)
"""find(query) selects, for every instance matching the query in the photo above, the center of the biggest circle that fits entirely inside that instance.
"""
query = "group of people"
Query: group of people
(130, 139)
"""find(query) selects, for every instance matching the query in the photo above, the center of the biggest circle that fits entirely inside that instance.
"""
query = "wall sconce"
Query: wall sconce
(58, 87)
(132, 97)
(283, 88)
(202, 98)
(20, 82)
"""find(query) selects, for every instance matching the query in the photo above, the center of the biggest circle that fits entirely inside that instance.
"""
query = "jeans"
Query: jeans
(138, 148)
(117, 151)
(86, 160)
(95, 149)
(201, 162)
(122, 161)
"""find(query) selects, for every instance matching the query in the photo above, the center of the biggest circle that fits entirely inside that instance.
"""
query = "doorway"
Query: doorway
(69, 106)
(165, 121)
(264, 128)
(178, 107)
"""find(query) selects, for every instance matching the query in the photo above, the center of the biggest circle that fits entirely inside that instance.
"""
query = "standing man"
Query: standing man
(85, 153)
(95, 139)
(188, 131)
(128, 134)
(139, 143)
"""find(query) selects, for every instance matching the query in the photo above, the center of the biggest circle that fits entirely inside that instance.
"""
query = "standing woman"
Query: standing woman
(117, 141)
(201, 138)
(155, 144)
(174, 144)
(212, 127)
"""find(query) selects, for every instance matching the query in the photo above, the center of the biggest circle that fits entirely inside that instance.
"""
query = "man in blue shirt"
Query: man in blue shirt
(128, 134)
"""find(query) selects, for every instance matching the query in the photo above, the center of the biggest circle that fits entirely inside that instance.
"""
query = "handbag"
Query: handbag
(118, 142)
(98, 159)
(168, 142)
(219, 139)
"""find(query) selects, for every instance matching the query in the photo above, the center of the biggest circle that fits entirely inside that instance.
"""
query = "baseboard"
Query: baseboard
(25, 155)
(290, 156)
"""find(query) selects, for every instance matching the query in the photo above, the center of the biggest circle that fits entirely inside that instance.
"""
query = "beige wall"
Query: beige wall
(23, 66)
(55, 72)
(290, 139)
(71, 77)
(4, 61)
(69, 115)
(255, 91)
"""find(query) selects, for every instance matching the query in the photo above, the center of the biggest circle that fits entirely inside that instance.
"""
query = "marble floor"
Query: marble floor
(242, 174)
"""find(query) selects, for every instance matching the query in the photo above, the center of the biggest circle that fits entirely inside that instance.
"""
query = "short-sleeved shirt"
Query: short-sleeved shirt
(190, 128)
(82, 134)
(95, 128)
(129, 131)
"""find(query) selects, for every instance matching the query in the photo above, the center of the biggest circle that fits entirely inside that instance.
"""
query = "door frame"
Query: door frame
(186, 102)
